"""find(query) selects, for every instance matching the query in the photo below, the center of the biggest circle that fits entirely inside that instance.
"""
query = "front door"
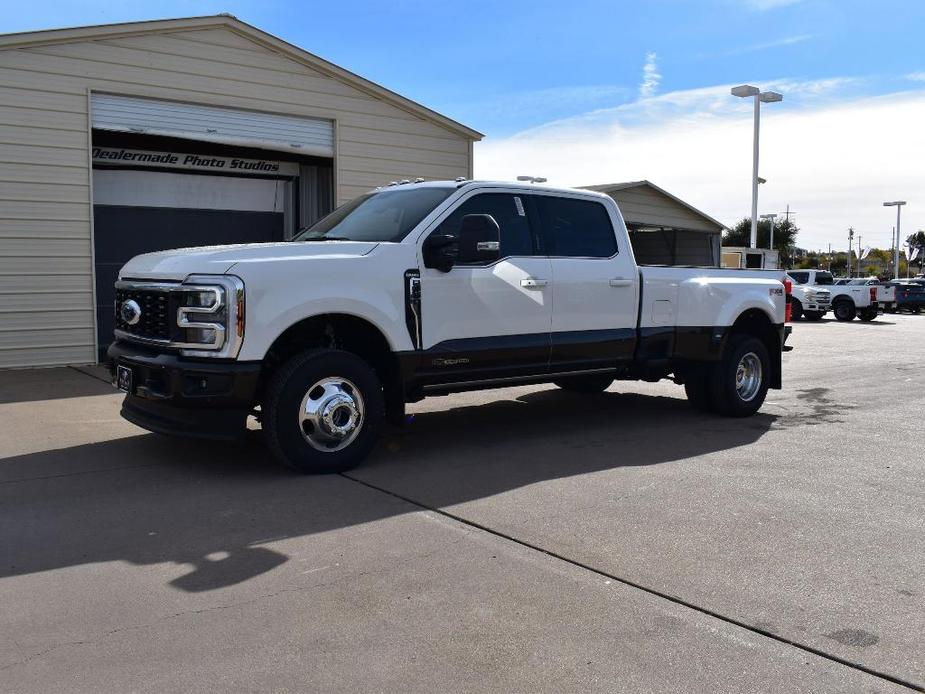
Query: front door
(488, 321)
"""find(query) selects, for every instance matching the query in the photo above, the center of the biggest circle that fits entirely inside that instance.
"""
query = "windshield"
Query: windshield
(388, 215)
(825, 278)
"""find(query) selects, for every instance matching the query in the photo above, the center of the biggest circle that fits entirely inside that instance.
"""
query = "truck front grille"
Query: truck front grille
(155, 322)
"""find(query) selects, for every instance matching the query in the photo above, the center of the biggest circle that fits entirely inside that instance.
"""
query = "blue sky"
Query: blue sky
(588, 92)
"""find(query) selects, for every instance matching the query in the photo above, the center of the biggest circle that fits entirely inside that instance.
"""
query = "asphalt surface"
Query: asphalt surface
(523, 539)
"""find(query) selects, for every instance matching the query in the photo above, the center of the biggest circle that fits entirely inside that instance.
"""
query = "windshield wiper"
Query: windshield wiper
(327, 238)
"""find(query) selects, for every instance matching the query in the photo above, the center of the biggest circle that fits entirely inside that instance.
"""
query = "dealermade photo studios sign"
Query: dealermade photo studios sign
(193, 162)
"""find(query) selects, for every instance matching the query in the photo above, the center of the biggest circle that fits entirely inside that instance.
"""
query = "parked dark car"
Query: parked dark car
(910, 295)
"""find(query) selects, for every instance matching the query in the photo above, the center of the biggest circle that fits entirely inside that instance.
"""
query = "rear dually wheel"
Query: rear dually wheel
(740, 381)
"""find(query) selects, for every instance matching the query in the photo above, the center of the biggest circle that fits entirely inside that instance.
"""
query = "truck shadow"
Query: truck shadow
(213, 507)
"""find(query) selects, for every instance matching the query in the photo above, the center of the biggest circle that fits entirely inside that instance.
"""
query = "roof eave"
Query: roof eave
(607, 187)
(88, 33)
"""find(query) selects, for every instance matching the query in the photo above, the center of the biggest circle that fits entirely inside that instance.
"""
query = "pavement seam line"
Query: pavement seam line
(651, 591)
(89, 375)
(76, 474)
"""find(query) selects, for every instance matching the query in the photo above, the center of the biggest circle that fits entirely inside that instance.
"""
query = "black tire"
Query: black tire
(585, 384)
(868, 315)
(289, 387)
(697, 388)
(796, 309)
(814, 315)
(728, 399)
(917, 309)
(845, 310)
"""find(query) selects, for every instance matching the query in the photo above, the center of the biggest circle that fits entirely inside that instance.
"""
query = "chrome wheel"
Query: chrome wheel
(748, 377)
(331, 414)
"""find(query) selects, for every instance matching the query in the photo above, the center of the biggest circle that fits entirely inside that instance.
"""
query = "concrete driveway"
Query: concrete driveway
(523, 539)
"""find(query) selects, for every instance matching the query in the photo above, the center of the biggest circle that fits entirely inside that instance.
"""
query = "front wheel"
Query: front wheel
(814, 315)
(740, 381)
(845, 311)
(323, 411)
(796, 310)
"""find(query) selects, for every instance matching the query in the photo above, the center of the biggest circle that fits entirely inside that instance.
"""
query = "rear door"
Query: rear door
(594, 284)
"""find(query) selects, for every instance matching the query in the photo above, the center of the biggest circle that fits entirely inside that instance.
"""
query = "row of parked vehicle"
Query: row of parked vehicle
(815, 292)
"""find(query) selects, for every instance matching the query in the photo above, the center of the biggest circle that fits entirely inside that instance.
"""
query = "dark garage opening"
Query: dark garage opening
(143, 205)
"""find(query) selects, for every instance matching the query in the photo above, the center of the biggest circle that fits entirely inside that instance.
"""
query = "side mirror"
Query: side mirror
(440, 251)
(479, 239)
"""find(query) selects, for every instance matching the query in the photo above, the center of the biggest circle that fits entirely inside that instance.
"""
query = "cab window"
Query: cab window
(508, 211)
(576, 228)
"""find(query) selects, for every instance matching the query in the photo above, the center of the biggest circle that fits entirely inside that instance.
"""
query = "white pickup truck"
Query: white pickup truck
(886, 293)
(809, 301)
(427, 289)
(859, 298)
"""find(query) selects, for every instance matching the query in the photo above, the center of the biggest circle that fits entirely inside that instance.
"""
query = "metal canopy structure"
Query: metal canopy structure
(664, 229)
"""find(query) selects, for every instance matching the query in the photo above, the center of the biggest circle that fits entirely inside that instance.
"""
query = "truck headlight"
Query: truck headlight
(210, 316)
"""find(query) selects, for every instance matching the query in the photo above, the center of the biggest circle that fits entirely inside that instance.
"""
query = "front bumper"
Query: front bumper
(186, 397)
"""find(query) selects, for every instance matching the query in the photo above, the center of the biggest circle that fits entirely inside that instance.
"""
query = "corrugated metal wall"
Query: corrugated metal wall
(46, 314)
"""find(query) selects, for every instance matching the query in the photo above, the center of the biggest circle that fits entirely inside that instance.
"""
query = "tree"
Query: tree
(917, 240)
(785, 235)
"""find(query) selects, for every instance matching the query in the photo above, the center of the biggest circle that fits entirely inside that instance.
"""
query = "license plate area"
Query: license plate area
(124, 378)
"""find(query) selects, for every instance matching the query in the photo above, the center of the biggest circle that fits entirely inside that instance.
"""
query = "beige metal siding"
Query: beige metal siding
(643, 205)
(46, 275)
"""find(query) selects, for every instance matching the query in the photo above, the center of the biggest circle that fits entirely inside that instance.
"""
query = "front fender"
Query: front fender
(280, 294)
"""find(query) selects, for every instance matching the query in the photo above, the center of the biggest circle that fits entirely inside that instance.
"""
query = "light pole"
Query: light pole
(898, 204)
(850, 240)
(771, 218)
(744, 91)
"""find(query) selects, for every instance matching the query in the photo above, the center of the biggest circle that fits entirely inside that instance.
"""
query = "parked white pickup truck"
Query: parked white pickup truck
(421, 289)
(808, 301)
(854, 298)
(886, 294)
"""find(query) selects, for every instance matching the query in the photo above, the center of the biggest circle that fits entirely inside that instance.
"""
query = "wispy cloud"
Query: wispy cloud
(827, 156)
(776, 43)
(916, 76)
(650, 76)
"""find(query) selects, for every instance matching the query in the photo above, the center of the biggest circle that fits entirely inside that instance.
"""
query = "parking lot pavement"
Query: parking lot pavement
(538, 541)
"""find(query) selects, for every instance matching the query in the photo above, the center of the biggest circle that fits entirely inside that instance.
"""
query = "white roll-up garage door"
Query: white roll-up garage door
(310, 136)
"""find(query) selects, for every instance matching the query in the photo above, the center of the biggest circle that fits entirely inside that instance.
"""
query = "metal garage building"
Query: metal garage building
(664, 229)
(126, 138)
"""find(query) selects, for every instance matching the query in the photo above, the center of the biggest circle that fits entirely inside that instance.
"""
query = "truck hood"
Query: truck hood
(179, 263)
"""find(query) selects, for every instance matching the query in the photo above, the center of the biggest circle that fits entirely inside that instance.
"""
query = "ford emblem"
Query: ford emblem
(130, 312)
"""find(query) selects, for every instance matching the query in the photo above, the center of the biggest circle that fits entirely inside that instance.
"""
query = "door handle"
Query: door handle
(533, 283)
(620, 282)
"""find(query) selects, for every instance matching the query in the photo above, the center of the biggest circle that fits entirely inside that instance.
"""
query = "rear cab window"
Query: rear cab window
(576, 228)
